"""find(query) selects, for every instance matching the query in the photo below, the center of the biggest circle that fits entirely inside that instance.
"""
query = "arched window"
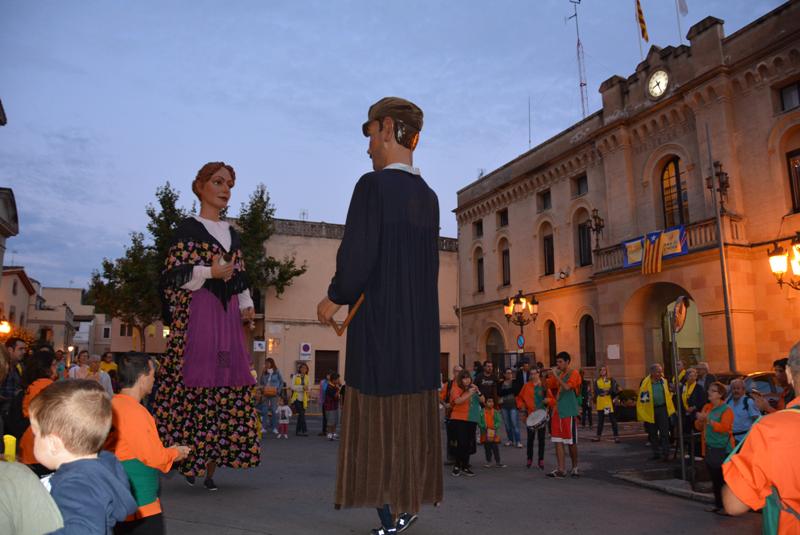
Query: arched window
(588, 356)
(479, 279)
(505, 263)
(674, 195)
(550, 332)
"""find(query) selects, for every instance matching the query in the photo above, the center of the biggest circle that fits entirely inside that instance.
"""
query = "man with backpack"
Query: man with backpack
(762, 472)
(745, 410)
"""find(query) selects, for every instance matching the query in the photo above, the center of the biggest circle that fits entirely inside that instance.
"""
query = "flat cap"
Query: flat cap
(398, 109)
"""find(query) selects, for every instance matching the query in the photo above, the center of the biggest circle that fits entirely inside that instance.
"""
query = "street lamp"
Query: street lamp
(5, 326)
(521, 311)
(723, 183)
(779, 263)
(596, 224)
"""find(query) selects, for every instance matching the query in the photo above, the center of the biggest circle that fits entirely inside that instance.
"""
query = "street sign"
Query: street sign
(305, 351)
(521, 341)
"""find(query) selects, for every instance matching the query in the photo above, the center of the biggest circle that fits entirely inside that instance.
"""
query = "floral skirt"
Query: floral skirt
(218, 423)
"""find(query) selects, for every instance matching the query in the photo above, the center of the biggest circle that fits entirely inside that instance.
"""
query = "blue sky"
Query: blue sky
(107, 100)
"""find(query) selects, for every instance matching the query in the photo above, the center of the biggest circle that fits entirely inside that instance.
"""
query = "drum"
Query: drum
(537, 419)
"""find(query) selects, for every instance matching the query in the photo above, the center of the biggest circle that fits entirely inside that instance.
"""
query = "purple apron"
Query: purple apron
(215, 353)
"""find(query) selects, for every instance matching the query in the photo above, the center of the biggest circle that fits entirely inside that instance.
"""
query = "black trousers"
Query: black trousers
(601, 420)
(586, 413)
(533, 435)
(714, 459)
(658, 432)
(463, 441)
(149, 525)
(490, 448)
(300, 411)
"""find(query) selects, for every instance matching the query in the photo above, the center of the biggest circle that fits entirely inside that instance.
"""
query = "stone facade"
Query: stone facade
(732, 86)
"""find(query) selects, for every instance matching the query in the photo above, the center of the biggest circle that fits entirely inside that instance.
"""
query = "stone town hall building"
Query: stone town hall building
(642, 162)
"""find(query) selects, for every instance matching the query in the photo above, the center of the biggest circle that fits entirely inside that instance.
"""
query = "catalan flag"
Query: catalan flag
(642, 23)
(653, 250)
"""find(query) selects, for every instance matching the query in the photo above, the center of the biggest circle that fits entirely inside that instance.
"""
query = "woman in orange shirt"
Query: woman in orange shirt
(464, 399)
(715, 423)
(38, 374)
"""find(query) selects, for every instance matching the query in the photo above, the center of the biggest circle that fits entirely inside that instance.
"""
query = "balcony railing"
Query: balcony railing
(700, 235)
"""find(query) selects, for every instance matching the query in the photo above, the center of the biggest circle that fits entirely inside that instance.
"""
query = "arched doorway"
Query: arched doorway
(495, 346)
(646, 334)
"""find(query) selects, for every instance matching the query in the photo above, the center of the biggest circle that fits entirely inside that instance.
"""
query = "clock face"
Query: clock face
(657, 84)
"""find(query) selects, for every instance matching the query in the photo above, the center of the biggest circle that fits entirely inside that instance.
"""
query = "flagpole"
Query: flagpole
(638, 30)
(723, 264)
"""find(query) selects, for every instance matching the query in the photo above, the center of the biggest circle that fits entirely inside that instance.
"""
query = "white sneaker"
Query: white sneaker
(335, 436)
(330, 436)
(519, 444)
(275, 431)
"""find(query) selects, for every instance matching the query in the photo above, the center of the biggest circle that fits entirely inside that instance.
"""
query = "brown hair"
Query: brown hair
(460, 379)
(76, 411)
(207, 171)
(719, 387)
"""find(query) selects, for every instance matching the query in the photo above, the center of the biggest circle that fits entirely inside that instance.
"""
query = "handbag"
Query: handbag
(270, 391)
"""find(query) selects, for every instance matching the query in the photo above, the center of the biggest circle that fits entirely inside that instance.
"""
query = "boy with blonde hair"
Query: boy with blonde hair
(70, 422)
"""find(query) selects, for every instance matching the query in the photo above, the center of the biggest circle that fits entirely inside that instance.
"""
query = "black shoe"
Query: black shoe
(209, 484)
(404, 522)
(190, 480)
(383, 531)
(456, 471)
(467, 472)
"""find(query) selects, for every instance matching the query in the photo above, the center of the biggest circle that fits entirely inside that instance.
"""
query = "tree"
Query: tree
(256, 224)
(127, 288)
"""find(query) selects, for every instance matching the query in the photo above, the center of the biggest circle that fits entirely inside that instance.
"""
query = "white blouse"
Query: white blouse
(221, 230)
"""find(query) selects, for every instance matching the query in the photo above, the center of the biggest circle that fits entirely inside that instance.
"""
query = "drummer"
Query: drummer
(532, 402)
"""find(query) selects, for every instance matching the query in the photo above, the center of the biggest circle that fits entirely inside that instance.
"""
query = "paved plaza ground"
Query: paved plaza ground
(292, 493)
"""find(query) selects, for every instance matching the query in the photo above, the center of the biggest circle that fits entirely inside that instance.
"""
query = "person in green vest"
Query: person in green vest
(563, 387)
(654, 407)
(715, 422)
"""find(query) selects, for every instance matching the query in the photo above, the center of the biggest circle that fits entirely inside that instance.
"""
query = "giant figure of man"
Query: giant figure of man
(390, 451)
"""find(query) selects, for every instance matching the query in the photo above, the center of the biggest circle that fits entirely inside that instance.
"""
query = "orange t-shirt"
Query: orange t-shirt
(26, 455)
(460, 411)
(134, 436)
(769, 458)
(526, 400)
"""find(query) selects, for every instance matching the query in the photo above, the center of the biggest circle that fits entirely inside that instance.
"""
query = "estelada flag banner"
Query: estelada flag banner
(653, 249)
(673, 244)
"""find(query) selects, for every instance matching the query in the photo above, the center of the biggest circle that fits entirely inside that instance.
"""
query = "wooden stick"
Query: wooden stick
(340, 329)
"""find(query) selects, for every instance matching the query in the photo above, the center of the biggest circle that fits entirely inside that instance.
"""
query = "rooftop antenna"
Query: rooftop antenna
(303, 215)
(529, 122)
(581, 65)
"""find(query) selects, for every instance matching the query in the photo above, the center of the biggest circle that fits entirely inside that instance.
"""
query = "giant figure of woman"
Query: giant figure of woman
(205, 397)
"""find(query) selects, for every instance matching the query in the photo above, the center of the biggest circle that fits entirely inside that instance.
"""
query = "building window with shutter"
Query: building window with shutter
(584, 244)
(548, 252)
(506, 261)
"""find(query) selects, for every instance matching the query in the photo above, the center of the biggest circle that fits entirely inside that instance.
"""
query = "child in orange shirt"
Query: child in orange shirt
(134, 440)
(489, 423)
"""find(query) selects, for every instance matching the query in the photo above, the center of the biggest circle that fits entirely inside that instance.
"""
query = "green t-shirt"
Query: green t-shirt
(658, 394)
